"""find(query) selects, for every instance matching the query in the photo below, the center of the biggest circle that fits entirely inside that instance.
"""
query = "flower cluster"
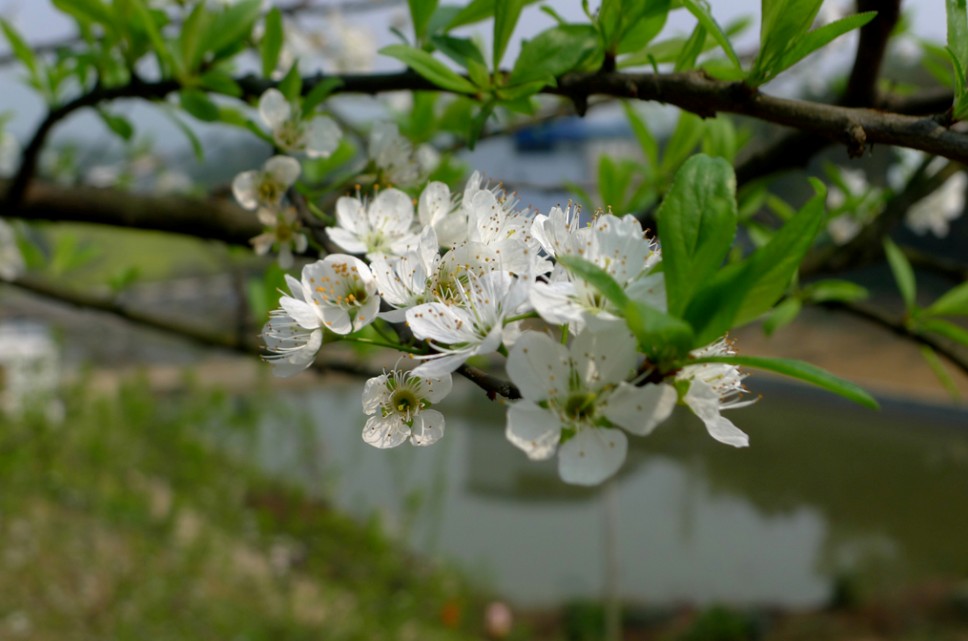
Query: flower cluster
(458, 276)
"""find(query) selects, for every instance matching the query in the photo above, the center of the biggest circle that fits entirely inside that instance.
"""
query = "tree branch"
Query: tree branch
(881, 319)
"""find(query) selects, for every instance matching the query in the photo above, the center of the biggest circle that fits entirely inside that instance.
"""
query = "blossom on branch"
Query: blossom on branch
(375, 228)
(266, 187)
(315, 136)
(575, 398)
(398, 404)
(284, 231)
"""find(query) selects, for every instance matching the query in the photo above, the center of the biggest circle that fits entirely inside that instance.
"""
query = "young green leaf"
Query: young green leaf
(945, 328)
(597, 278)
(120, 125)
(689, 53)
(648, 143)
(700, 9)
(190, 44)
(663, 338)
(199, 105)
(834, 290)
(783, 24)
(956, 12)
(931, 358)
(783, 314)
(903, 274)
(291, 84)
(319, 93)
(271, 46)
(553, 52)
(799, 370)
(430, 68)
(506, 14)
(231, 27)
(697, 222)
(953, 303)
(21, 50)
(819, 38)
(420, 13)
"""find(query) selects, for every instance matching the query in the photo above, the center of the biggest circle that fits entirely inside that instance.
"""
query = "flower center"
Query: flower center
(269, 192)
(404, 402)
(580, 406)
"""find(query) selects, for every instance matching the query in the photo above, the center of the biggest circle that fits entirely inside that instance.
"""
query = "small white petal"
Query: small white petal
(428, 428)
(385, 432)
(533, 429)
(604, 358)
(436, 389)
(704, 401)
(539, 366)
(374, 393)
(245, 189)
(640, 409)
(322, 137)
(346, 240)
(283, 169)
(301, 312)
(391, 211)
(591, 456)
(274, 108)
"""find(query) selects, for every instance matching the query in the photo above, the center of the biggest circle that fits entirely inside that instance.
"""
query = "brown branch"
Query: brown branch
(950, 269)
(898, 328)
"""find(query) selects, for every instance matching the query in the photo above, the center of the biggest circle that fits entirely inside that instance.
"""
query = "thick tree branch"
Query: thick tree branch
(693, 91)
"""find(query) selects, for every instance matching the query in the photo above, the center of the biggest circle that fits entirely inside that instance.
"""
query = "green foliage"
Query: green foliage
(957, 16)
(799, 370)
(697, 223)
(506, 14)
(903, 274)
(271, 46)
(552, 53)
(430, 68)
(420, 13)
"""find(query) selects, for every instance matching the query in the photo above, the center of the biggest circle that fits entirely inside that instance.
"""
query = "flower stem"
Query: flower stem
(380, 343)
(512, 319)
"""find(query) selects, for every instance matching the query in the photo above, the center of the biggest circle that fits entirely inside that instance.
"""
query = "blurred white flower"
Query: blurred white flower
(843, 229)
(284, 231)
(398, 404)
(379, 227)
(394, 157)
(266, 187)
(172, 181)
(578, 396)
(315, 136)
(934, 212)
(351, 47)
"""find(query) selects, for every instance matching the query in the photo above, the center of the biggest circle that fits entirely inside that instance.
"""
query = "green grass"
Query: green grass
(126, 523)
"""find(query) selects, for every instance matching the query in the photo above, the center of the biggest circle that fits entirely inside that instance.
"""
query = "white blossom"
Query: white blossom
(473, 325)
(396, 160)
(843, 229)
(283, 230)
(407, 280)
(934, 212)
(316, 136)
(398, 404)
(292, 348)
(339, 294)
(714, 387)
(436, 208)
(577, 396)
(379, 227)
(266, 187)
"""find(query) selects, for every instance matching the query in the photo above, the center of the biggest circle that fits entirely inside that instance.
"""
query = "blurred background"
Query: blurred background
(152, 487)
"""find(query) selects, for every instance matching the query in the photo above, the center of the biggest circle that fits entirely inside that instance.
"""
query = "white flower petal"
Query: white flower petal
(640, 409)
(322, 137)
(428, 428)
(301, 312)
(539, 366)
(385, 432)
(346, 240)
(439, 366)
(245, 189)
(533, 429)
(374, 393)
(435, 203)
(435, 389)
(391, 211)
(284, 170)
(604, 358)
(591, 456)
(274, 109)
(704, 401)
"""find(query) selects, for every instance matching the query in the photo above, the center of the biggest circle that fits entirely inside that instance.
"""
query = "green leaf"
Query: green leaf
(642, 29)
(663, 338)
(199, 105)
(430, 68)
(682, 143)
(953, 303)
(554, 52)
(291, 84)
(190, 43)
(834, 290)
(231, 26)
(931, 357)
(700, 9)
(650, 148)
(697, 222)
(319, 93)
(689, 53)
(783, 314)
(221, 82)
(597, 278)
(120, 125)
(420, 13)
(21, 50)
(799, 370)
(903, 274)
(506, 15)
(271, 46)
(161, 49)
(819, 38)
(957, 15)
(945, 328)
(460, 50)
(88, 11)
(783, 24)
(743, 291)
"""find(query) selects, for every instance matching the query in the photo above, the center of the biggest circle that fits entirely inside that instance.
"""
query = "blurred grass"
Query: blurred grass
(124, 522)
